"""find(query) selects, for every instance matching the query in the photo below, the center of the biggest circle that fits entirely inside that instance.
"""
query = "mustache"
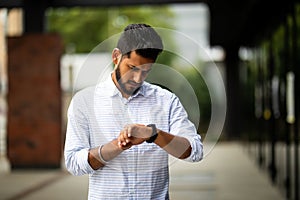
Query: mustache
(134, 83)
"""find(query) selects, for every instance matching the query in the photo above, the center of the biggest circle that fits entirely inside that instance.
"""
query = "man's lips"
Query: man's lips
(133, 84)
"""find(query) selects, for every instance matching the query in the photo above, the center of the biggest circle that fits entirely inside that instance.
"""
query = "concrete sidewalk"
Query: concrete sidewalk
(226, 173)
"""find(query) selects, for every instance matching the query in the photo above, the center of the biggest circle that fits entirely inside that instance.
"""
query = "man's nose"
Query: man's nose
(138, 77)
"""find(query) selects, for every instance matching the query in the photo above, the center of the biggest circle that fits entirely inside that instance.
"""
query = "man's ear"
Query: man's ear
(116, 56)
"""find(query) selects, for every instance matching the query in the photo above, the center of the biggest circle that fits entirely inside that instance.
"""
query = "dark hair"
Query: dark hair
(142, 39)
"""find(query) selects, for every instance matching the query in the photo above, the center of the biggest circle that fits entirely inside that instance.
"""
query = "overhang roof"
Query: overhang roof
(233, 23)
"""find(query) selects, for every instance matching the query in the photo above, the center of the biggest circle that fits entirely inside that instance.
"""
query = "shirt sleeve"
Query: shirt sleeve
(182, 126)
(77, 143)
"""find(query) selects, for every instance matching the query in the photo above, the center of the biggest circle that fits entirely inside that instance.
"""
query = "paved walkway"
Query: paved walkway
(226, 173)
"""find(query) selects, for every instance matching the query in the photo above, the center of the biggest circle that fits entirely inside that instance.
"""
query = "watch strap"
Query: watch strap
(154, 133)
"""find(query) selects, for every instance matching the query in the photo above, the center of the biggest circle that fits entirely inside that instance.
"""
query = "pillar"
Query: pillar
(34, 100)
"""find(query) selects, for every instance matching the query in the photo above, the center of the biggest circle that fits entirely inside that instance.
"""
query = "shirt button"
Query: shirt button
(131, 191)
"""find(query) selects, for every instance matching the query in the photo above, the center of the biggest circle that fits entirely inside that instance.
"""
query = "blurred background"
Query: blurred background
(51, 49)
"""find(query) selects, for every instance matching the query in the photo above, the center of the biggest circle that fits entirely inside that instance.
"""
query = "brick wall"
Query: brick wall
(34, 101)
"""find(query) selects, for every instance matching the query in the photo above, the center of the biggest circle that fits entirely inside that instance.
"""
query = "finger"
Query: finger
(127, 146)
(125, 135)
(121, 139)
(129, 131)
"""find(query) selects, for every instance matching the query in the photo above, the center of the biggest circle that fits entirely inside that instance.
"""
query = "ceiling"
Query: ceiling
(244, 23)
(233, 23)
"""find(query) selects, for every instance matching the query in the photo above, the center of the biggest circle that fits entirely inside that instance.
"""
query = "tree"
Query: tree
(85, 28)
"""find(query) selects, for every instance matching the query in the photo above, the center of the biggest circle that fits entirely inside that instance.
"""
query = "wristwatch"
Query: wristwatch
(154, 133)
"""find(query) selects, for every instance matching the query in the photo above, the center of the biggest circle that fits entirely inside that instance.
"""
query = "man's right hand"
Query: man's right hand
(130, 136)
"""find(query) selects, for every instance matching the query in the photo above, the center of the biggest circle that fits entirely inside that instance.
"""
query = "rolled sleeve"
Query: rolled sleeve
(197, 149)
(182, 126)
(77, 162)
(77, 142)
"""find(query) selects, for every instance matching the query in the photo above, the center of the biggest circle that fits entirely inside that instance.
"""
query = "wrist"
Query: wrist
(109, 151)
(153, 135)
(115, 144)
(102, 160)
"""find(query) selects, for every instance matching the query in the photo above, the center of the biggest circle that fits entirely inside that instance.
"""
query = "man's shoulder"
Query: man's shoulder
(84, 93)
(161, 87)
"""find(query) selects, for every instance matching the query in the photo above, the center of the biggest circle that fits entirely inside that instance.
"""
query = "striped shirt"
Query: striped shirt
(95, 117)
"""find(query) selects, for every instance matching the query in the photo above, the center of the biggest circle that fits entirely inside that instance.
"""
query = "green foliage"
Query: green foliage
(85, 28)
(201, 91)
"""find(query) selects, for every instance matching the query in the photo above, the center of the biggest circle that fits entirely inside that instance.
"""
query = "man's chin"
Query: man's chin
(132, 90)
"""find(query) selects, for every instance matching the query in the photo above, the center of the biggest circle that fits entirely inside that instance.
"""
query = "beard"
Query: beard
(123, 85)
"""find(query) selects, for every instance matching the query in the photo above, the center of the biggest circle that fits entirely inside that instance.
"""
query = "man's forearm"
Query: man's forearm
(136, 134)
(108, 152)
(175, 145)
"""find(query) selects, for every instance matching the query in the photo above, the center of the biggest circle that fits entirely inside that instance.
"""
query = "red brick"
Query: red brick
(34, 101)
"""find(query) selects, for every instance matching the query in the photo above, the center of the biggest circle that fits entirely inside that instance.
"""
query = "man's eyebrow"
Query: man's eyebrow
(135, 67)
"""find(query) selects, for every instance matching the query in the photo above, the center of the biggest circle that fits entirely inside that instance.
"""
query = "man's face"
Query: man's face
(131, 72)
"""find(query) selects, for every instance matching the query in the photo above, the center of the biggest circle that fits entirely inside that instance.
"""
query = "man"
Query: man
(122, 130)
